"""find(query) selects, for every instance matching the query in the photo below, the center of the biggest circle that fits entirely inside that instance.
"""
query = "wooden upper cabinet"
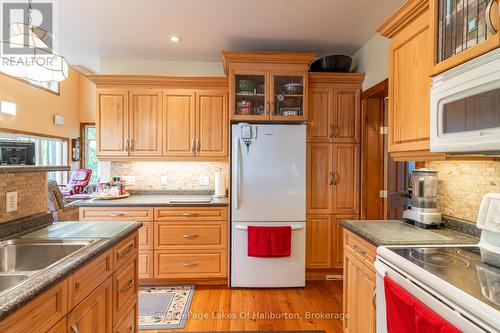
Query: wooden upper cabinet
(145, 123)
(319, 178)
(346, 115)
(267, 86)
(112, 122)
(211, 123)
(320, 112)
(346, 174)
(462, 30)
(410, 67)
(179, 123)
(319, 242)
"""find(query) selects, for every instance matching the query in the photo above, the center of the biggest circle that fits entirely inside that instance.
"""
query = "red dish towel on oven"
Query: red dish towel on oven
(269, 242)
(406, 314)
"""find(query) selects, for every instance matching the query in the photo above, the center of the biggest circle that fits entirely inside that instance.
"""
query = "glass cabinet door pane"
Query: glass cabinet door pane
(288, 96)
(478, 112)
(461, 25)
(250, 96)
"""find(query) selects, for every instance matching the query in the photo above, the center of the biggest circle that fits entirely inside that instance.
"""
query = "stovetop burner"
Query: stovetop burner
(437, 257)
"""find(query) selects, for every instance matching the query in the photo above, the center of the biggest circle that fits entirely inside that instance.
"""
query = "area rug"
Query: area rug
(164, 307)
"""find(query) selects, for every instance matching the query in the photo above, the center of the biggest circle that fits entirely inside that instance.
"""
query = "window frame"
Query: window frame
(35, 85)
(83, 149)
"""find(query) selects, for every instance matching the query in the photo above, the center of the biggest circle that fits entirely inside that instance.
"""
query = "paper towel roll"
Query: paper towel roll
(220, 184)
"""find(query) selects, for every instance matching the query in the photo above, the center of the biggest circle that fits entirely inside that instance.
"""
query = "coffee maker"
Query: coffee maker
(423, 210)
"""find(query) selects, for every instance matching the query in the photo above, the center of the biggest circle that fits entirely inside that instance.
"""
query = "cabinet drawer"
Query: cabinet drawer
(174, 264)
(124, 288)
(127, 323)
(363, 250)
(190, 214)
(40, 314)
(169, 235)
(146, 236)
(145, 264)
(125, 250)
(87, 278)
(141, 214)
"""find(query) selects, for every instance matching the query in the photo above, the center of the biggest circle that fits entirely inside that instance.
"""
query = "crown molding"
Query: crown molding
(402, 17)
(301, 58)
(322, 77)
(159, 81)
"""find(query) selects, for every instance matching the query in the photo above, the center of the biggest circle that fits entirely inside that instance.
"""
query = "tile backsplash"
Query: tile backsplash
(462, 185)
(31, 188)
(179, 175)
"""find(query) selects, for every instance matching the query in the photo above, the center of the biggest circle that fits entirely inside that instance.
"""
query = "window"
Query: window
(52, 86)
(48, 151)
(90, 152)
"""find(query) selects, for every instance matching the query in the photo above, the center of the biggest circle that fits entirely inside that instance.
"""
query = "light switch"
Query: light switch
(204, 180)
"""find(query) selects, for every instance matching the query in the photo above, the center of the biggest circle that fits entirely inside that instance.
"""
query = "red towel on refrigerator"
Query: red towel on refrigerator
(269, 242)
(406, 314)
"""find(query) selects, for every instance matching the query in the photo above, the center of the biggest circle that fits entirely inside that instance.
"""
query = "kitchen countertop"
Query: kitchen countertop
(108, 233)
(153, 201)
(393, 232)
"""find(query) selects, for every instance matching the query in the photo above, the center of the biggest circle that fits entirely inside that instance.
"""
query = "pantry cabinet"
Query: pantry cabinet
(268, 86)
(410, 68)
(462, 30)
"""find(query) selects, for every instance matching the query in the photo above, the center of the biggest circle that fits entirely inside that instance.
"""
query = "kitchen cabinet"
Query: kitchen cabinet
(410, 67)
(319, 175)
(319, 236)
(112, 122)
(145, 128)
(346, 178)
(359, 284)
(212, 124)
(267, 86)
(179, 115)
(320, 109)
(462, 30)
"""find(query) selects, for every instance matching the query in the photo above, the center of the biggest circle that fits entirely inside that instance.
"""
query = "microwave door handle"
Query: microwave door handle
(236, 171)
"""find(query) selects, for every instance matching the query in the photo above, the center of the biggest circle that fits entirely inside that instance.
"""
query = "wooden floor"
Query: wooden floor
(321, 298)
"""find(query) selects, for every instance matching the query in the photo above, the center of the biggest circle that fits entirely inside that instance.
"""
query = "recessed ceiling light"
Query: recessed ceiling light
(175, 39)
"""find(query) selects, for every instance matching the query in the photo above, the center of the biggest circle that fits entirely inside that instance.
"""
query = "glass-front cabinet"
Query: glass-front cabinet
(287, 94)
(463, 30)
(250, 95)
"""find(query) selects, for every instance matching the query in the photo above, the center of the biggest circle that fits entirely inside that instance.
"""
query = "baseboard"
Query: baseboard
(321, 274)
(209, 281)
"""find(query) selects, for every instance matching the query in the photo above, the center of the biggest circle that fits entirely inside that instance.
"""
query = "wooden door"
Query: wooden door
(346, 171)
(212, 124)
(319, 235)
(145, 123)
(346, 115)
(319, 178)
(359, 287)
(319, 128)
(112, 122)
(94, 314)
(249, 94)
(397, 189)
(179, 123)
(410, 63)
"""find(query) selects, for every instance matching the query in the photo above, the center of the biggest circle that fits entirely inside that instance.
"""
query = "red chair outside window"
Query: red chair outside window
(79, 179)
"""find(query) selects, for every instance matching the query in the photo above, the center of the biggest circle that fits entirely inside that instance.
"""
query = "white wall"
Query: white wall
(372, 59)
(149, 67)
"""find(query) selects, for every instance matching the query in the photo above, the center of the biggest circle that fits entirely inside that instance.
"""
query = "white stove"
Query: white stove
(461, 283)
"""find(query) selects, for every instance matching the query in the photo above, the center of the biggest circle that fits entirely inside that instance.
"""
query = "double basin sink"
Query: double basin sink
(22, 259)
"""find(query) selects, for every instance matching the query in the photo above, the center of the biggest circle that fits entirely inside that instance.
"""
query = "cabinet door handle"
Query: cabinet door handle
(193, 145)
(190, 236)
(127, 145)
(374, 300)
(132, 142)
(127, 250)
(131, 329)
(186, 214)
(198, 145)
(116, 214)
(189, 264)
(332, 131)
(74, 329)
(335, 132)
(330, 174)
(359, 250)
(487, 18)
(335, 179)
(266, 110)
(128, 286)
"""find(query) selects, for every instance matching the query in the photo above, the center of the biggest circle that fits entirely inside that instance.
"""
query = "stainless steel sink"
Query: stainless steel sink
(21, 259)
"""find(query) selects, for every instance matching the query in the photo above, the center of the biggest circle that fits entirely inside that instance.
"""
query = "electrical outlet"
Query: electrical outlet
(204, 180)
(163, 180)
(11, 202)
(129, 180)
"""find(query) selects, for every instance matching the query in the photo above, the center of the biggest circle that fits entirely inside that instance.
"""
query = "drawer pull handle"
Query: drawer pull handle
(189, 264)
(128, 286)
(189, 214)
(74, 329)
(127, 250)
(131, 329)
(116, 214)
(191, 236)
(359, 250)
(374, 299)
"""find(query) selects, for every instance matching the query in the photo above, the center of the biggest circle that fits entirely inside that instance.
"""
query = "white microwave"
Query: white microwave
(465, 108)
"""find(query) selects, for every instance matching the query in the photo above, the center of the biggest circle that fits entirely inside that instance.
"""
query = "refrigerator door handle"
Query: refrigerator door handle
(236, 190)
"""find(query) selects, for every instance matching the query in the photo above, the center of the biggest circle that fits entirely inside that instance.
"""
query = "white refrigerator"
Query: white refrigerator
(268, 188)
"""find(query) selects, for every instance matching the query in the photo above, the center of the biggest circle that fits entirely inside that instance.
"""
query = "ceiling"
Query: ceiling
(91, 30)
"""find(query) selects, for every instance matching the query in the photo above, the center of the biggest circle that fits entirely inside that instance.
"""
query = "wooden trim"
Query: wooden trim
(381, 89)
(14, 131)
(82, 70)
(419, 155)
(228, 57)
(83, 141)
(402, 17)
(354, 78)
(198, 281)
(159, 81)
(163, 158)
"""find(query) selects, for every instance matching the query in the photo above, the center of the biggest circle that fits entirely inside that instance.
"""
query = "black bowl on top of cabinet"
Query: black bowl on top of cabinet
(333, 63)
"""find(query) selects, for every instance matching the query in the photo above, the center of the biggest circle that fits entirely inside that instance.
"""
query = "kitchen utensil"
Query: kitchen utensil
(293, 88)
(333, 63)
(244, 107)
(290, 111)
